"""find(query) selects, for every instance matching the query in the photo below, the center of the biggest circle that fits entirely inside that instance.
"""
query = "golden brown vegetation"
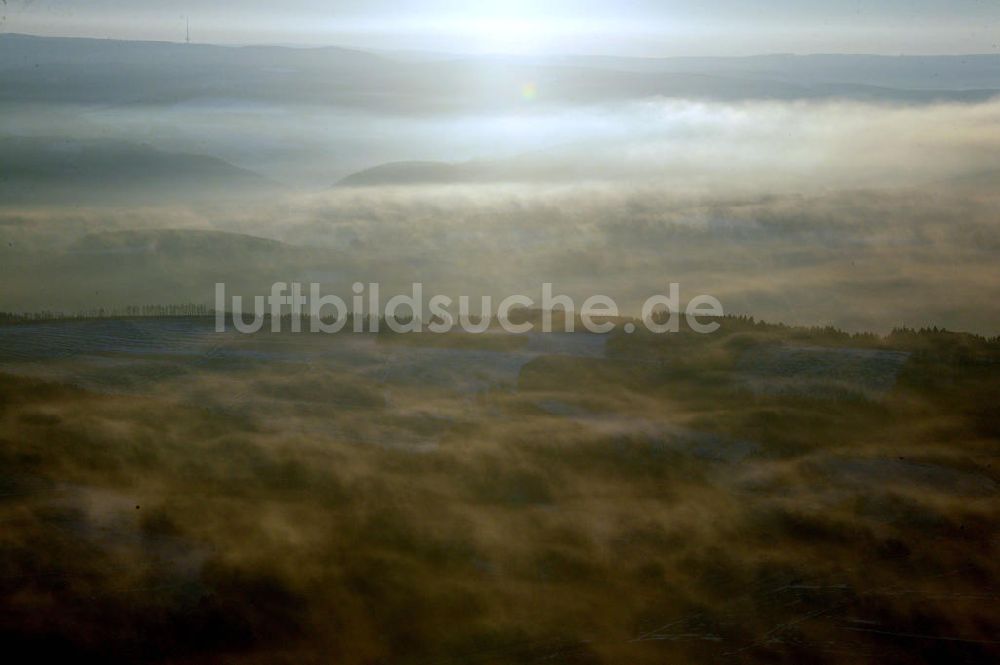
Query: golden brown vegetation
(650, 506)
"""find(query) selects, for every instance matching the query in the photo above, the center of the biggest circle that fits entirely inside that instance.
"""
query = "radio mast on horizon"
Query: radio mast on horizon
(187, 30)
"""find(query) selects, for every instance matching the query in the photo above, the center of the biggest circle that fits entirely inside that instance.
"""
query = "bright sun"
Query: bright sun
(510, 27)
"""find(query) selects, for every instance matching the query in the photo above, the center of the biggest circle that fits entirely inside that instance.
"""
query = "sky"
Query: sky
(648, 28)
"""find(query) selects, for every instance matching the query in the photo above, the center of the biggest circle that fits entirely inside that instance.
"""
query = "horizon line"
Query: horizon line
(460, 54)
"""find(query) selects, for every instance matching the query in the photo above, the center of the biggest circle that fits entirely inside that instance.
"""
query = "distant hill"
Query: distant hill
(550, 166)
(909, 72)
(423, 172)
(43, 170)
(94, 71)
(179, 243)
(568, 162)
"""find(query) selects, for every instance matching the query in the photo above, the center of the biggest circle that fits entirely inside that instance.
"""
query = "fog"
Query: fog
(844, 190)
(847, 213)
(674, 142)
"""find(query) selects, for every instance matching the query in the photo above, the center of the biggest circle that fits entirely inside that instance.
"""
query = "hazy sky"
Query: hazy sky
(625, 27)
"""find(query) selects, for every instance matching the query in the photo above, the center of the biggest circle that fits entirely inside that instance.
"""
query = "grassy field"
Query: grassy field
(664, 499)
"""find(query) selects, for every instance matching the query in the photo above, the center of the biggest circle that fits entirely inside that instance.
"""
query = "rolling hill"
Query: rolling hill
(102, 171)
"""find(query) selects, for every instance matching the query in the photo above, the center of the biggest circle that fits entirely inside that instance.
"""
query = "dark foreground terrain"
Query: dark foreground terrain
(761, 494)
